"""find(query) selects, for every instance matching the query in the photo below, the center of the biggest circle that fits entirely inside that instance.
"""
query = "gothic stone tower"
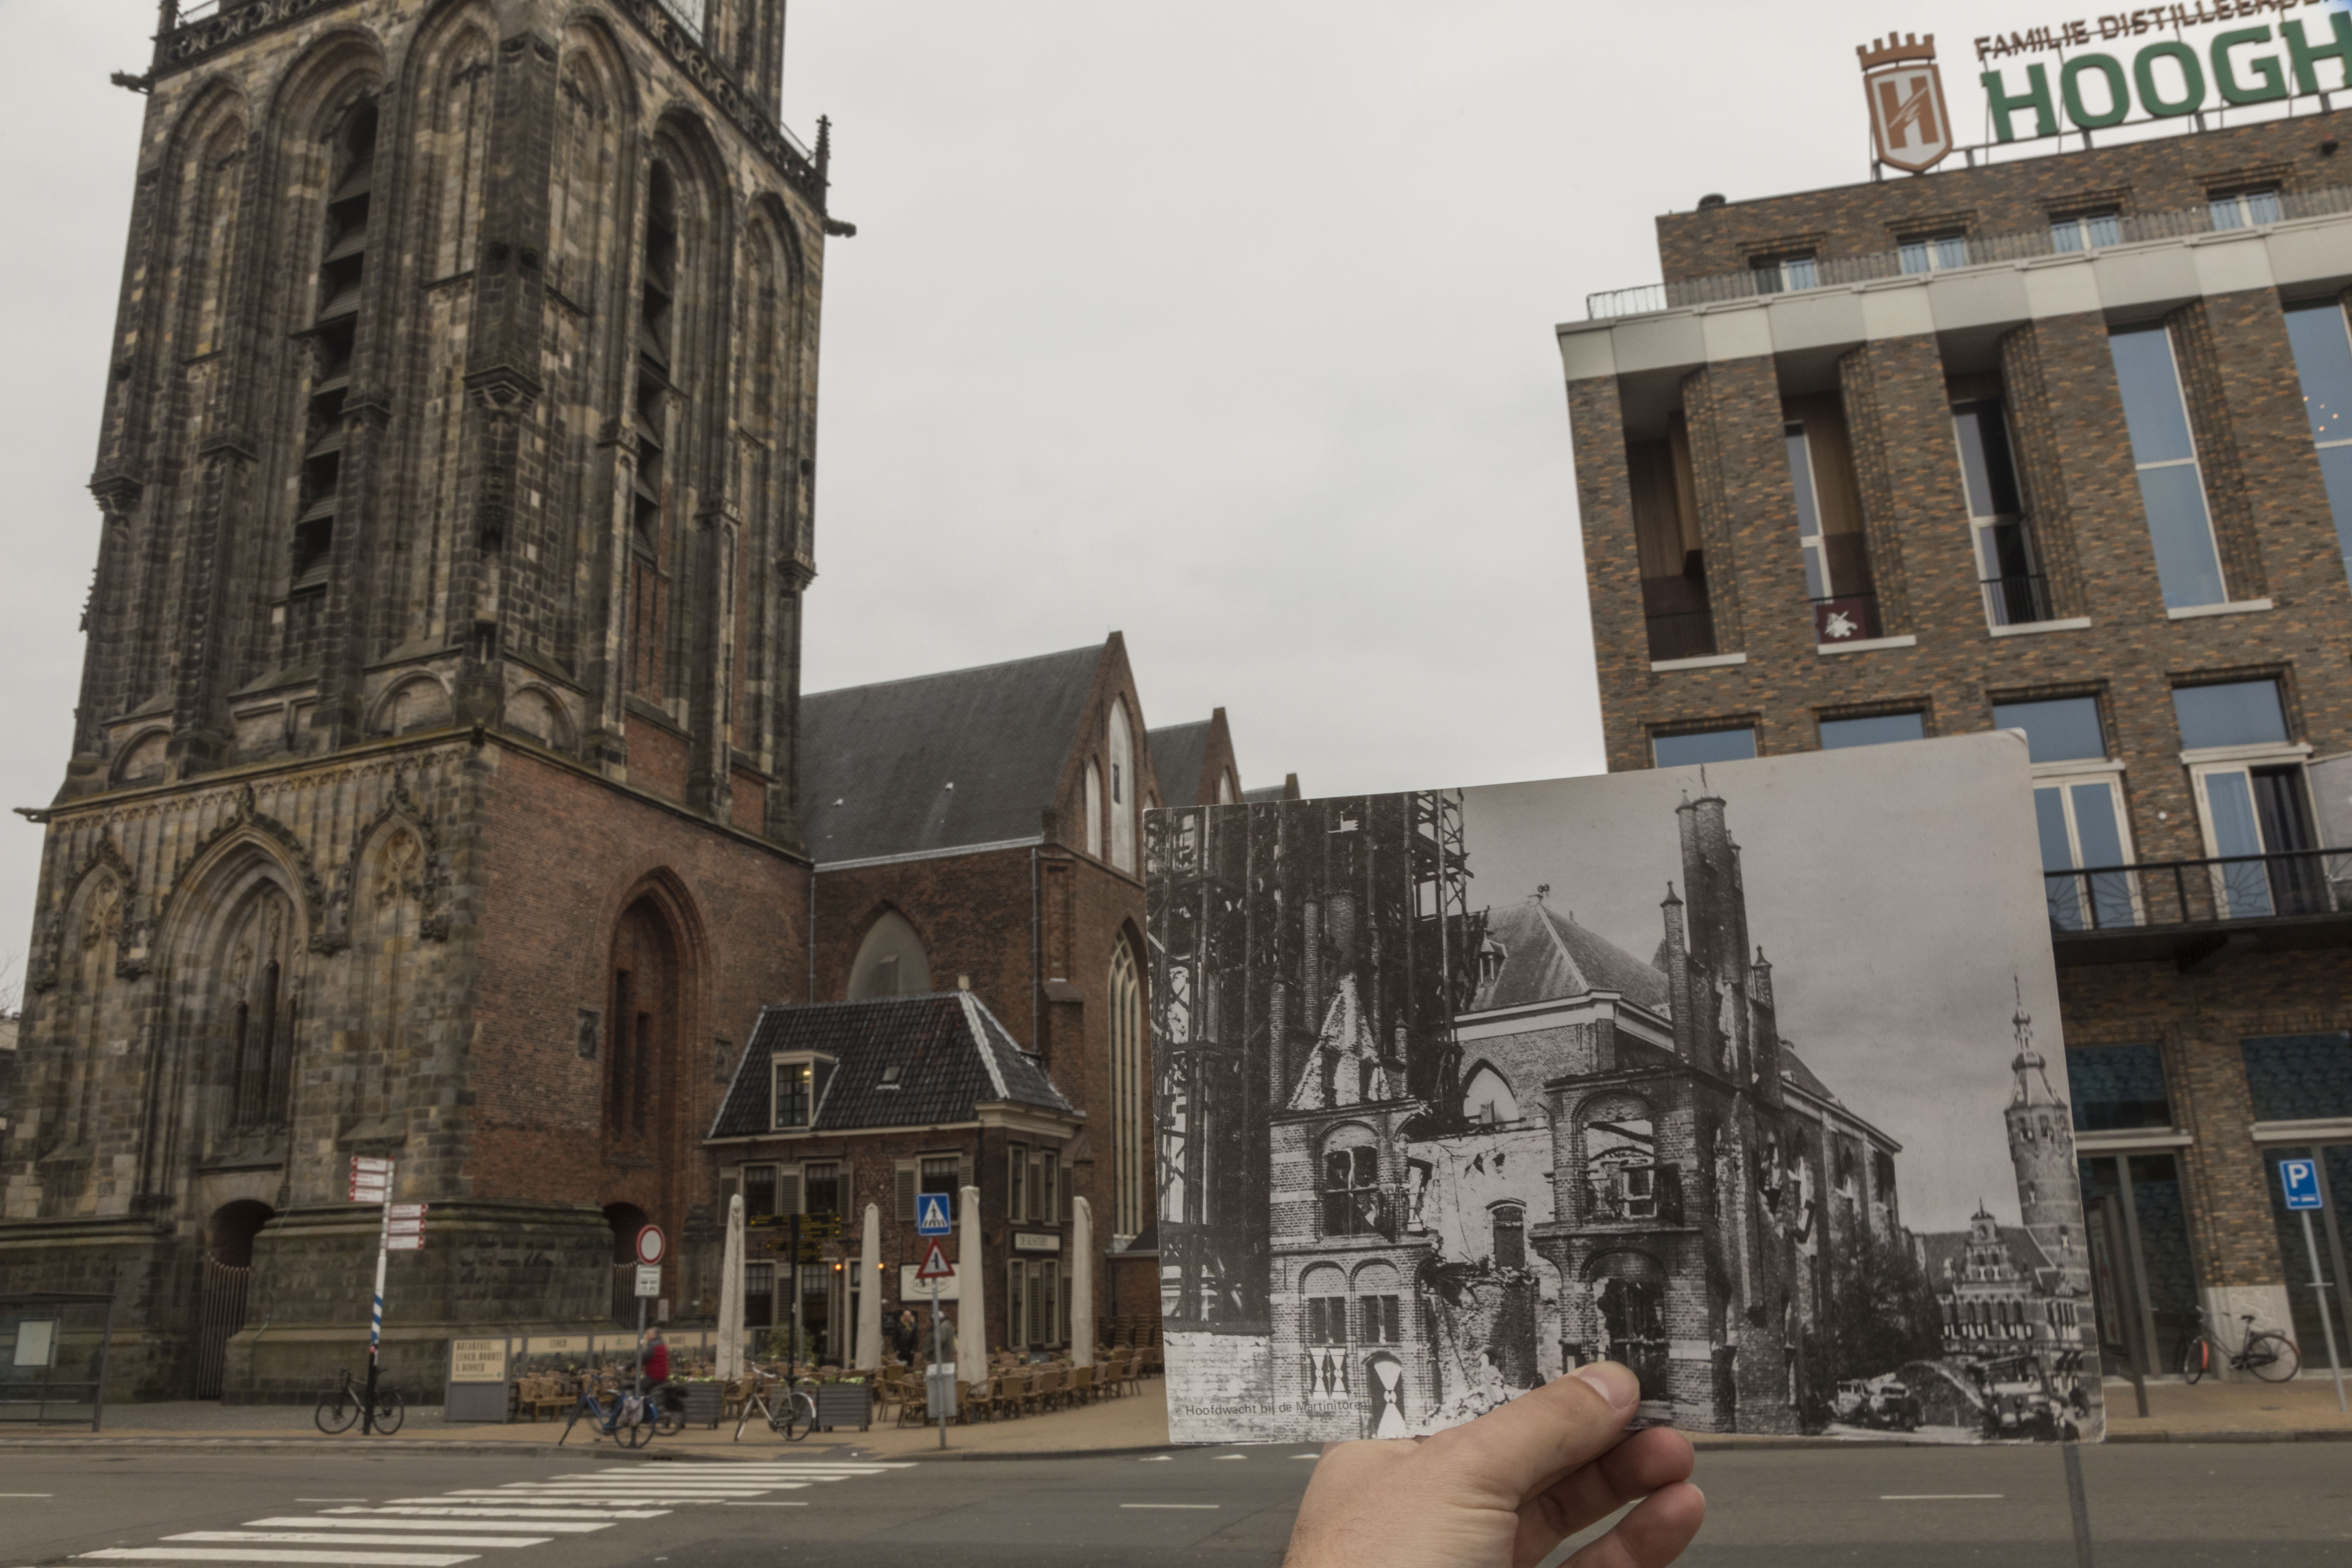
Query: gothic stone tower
(2042, 1151)
(431, 786)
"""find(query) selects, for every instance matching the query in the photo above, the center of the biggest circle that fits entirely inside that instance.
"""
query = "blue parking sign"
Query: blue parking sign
(2300, 1180)
(931, 1218)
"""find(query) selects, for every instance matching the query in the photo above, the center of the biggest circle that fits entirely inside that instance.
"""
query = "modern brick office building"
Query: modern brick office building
(2055, 443)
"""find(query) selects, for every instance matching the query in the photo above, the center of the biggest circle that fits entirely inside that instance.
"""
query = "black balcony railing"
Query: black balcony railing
(2194, 893)
(2017, 601)
(1684, 634)
(1845, 617)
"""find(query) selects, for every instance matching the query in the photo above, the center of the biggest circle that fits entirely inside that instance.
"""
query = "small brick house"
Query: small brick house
(982, 829)
(837, 1105)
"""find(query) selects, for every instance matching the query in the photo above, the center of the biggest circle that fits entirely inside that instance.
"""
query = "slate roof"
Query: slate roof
(1177, 753)
(1792, 1067)
(1266, 795)
(938, 762)
(950, 1052)
(1547, 956)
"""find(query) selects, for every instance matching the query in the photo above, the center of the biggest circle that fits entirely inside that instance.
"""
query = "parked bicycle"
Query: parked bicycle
(629, 1419)
(787, 1408)
(2267, 1353)
(340, 1411)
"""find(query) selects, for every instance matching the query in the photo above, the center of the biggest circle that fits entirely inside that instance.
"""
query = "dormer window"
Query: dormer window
(800, 1085)
(890, 1076)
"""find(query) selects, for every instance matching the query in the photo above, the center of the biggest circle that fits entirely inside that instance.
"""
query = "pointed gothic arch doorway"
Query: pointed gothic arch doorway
(644, 991)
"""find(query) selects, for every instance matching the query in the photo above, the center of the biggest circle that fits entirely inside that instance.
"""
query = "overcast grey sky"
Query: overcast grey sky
(1892, 933)
(1226, 325)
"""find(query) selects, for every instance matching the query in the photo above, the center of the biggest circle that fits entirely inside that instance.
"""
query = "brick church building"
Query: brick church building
(431, 790)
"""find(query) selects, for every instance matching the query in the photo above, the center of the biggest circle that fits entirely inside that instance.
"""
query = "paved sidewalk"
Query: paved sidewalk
(2303, 1411)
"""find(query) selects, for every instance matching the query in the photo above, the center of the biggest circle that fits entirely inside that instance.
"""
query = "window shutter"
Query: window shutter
(1065, 1173)
(1012, 1304)
(788, 1189)
(905, 1212)
(1016, 1190)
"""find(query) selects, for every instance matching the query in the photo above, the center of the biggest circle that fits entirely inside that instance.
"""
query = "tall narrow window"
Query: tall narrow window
(1130, 1093)
(1016, 1177)
(1838, 578)
(2014, 591)
(1675, 608)
(793, 1094)
(2323, 361)
(626, 1043)
(1094, 809)
(1510, 1235)
(821, 1188)
(654, 385)
(334, 334)
(2077, 811)
(2164, 451)
(2251, 794)
(1122, 789)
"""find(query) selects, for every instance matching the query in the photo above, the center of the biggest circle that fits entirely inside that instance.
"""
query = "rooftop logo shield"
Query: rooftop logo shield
(1910, 119)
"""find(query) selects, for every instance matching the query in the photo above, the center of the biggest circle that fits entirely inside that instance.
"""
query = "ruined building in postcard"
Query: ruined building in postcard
(430, 793)
(1453, 1154)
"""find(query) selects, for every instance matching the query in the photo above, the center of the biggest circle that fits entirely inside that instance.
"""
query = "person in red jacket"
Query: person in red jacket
(657, 1371)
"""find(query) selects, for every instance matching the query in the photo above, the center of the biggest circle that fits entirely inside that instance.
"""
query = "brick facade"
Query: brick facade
(1896, 353)
(430, 793)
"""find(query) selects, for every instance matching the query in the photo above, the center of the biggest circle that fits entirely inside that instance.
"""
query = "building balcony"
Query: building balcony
(2198, 912)
(2016, 601)
(1638, 1196)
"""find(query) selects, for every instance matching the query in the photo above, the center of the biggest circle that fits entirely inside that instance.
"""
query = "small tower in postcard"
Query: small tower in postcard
(2042, 1151)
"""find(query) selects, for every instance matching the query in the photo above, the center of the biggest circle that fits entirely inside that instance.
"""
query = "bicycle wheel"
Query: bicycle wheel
(799, 1418)
(751, 1403)
(2272, 1357)
(670, 1422)
(336, 1413)
(635, 1437)
(390, 1411)
(2195, 1359)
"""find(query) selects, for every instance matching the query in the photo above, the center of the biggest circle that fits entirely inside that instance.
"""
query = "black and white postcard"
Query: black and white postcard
(1748, 1077)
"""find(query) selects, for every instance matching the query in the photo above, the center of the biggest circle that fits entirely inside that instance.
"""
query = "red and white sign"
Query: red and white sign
(414, 1242)
(408, 1211)
(371, 1180)
(935, 1265)
(652, 1245)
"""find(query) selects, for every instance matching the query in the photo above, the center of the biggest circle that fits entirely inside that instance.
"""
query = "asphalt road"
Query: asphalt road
(2152, 1506)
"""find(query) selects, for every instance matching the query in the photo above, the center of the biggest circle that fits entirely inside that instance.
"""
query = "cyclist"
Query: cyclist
(657, 1371)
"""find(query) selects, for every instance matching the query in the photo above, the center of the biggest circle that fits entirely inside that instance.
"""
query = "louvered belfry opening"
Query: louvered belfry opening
(334, 334)
(655, 386)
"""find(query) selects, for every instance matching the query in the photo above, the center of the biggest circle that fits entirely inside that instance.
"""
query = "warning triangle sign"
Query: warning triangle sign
(936, 1266)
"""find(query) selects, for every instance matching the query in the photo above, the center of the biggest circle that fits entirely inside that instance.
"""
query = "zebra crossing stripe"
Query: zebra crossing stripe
(327, 1538)
(435, 1507)
(502, 1526)
(270, 1554)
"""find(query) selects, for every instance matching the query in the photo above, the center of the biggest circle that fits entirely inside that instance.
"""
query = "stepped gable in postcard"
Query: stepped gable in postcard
(1739, 1076)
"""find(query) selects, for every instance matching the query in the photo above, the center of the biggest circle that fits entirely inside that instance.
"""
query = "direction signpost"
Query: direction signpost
(2300, 1178)
(401, 1230)
(933, 1218)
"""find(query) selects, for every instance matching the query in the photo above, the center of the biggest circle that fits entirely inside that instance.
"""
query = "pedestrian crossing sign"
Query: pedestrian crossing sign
(932, 1215)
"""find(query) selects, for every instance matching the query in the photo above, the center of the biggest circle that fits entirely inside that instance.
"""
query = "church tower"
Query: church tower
(2042, 1152)
(431, 788)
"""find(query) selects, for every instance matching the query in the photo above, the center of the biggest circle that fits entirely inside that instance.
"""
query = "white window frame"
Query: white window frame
(1929, 250)
(777, 1066)
(1981, 524)
(2086, 238)
(2195, 462)
(2213, 761)
(1818, 585)
(1786, 274)
(2242, 212)
(1094, 809)
(2065, 777)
